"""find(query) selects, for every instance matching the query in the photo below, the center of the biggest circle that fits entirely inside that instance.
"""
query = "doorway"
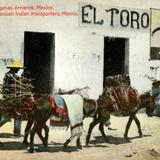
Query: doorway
(39, 55)
(116, 56)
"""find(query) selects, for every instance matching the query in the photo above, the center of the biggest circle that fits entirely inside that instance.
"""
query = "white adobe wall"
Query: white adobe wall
(78, 50)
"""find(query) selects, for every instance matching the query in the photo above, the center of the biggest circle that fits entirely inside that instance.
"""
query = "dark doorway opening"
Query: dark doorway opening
(39, 53)
(115, 56)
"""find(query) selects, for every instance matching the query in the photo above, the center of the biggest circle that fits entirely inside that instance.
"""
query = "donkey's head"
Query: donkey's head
(104, 108)
(147, 101)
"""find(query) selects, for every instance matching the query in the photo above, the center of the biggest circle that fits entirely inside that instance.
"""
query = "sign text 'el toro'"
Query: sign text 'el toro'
(114, 17)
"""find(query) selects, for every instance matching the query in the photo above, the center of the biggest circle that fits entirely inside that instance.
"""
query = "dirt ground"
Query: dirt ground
(111, 148)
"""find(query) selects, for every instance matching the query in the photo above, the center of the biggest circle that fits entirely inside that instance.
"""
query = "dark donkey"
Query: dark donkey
(42, 113)
(103, 113)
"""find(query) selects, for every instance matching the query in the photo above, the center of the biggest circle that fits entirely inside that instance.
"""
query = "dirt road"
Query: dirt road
(111, 148)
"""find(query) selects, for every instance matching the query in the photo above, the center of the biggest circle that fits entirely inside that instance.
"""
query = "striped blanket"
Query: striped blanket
(74, 105)
(61, 118)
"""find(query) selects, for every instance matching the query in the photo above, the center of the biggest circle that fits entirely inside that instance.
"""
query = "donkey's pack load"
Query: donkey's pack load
(16, 95)
(118, 88)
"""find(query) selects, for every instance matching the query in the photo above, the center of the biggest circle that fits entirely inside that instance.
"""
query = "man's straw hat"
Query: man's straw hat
(16, 64)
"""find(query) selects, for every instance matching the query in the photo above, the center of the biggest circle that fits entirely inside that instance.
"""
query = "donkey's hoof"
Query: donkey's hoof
(126, 139)
(25, 142)
(87, 143)
(141, 134)
(30, 150)
(65, 145)
(45, 144)
(104, 135)
(79, 147)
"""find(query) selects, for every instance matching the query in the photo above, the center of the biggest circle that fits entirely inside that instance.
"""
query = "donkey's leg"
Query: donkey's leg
(79, 145)
(101, 128)
(46, 129)
(131, 117)
(68, 141)
(91, 126)
(39, 133)
(78, 142)
(33, 131)
(27, 129)
(139, 126)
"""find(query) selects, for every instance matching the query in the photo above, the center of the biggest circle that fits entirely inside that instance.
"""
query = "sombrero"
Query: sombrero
(16, 64)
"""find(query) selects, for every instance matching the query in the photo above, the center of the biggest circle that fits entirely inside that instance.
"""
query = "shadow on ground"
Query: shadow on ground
(6, 135)
(99, 141)
(146, 135)
(110, 140)
(12, 145)
(52, 147)
(113, 140)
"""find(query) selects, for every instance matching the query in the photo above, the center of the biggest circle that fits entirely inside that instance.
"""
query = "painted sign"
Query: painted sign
(113, 17)
(155, 34)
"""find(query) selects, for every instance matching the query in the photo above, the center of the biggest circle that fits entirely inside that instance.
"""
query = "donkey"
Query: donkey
(83, 92)
(42, 113)
(103, 113)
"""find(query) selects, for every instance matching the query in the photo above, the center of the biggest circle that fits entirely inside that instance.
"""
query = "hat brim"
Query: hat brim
(16, 67)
